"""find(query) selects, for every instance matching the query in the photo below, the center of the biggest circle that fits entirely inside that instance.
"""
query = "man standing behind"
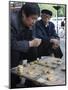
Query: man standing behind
(45, 30)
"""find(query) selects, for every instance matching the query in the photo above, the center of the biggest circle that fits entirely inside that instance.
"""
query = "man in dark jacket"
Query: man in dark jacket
(22, 43)
(45, 30)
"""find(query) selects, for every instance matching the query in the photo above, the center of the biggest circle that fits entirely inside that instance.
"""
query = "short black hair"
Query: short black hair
(45, 11)
(30, 9)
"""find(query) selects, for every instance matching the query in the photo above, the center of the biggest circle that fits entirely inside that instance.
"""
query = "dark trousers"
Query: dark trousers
(45, 49)
(57, 52)
(14, 80)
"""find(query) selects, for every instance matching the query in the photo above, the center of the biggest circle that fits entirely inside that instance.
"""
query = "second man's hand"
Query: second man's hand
(56, 43)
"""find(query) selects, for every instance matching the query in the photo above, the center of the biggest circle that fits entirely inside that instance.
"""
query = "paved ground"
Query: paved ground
(62, 45)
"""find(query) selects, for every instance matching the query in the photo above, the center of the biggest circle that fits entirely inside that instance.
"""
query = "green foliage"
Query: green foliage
(61, 11)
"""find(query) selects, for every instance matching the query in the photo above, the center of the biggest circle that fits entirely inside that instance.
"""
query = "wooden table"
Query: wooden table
(46, 71)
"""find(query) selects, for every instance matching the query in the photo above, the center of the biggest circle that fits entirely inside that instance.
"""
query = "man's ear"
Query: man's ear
(23, 14)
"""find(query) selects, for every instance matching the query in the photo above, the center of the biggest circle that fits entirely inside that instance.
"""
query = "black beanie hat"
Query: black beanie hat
(44, 11)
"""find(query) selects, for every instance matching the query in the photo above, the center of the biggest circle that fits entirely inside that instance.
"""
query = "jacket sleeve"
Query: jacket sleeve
(38, 32)
(54, 34)
(21, 46)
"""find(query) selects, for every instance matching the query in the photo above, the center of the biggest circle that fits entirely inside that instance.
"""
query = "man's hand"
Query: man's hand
(35, 42)
(56, 43)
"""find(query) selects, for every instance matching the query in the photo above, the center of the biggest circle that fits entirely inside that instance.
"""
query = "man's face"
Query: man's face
(29, 21)
(45, 17)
